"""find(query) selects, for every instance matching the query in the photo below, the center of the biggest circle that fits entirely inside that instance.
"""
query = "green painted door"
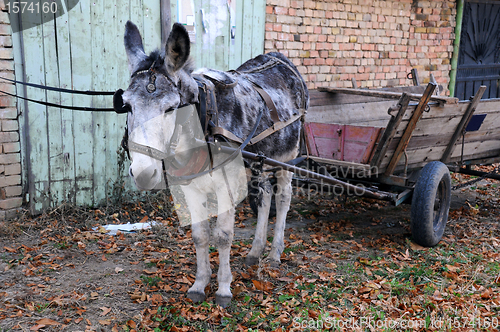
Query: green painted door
(227, 32)
(74, 156)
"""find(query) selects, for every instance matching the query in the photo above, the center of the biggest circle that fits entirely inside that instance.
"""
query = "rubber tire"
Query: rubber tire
(430, 204)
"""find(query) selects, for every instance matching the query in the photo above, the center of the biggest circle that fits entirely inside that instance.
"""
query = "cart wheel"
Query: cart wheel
(430, 204)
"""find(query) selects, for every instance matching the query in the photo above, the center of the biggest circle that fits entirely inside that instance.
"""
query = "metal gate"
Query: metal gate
(479, 53)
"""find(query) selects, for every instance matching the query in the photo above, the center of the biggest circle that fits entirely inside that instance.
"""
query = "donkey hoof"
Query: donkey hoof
(223, 301)
(196, 297)
(251, 261)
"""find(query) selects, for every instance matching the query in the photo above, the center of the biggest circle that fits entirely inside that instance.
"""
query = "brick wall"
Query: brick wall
(10, 155)
(375, 42)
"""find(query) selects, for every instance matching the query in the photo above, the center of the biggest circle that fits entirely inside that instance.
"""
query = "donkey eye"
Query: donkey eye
(171, 109)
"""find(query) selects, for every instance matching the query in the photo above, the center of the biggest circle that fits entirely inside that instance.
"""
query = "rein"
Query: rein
(51, 88)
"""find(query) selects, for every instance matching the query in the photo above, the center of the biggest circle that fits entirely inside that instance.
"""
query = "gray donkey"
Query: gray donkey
(162, 87)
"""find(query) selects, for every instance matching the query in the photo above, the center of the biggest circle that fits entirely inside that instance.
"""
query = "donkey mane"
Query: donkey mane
(158, 59)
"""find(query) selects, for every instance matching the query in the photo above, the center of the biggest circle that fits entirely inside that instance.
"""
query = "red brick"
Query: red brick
(11, 203)
(8, 113)
(10, 180)
(13, 191)
(281, 11)
(12, 169)
(10, 158)
(7, 101)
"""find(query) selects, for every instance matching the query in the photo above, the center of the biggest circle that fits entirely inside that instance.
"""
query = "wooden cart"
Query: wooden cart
(402, 150)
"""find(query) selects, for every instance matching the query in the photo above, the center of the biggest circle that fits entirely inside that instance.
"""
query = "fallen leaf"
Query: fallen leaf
(131, 324)
(264, 286)
(416, 247)
(10, 249)
(118, 269)
(105, 311)
(105, 322)
(47, 321)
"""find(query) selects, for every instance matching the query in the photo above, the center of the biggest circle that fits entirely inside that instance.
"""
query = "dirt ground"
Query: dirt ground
(57, 274)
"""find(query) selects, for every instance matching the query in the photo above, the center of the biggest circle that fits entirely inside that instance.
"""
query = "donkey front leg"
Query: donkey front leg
(264, 205)
(223, 236)
(200, 230)
(201, 236)
(283, 198)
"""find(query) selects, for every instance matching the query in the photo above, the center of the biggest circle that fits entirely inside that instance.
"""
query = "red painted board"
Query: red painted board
(342, 142)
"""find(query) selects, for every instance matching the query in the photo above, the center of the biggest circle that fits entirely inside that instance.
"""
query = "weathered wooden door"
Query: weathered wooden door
(74, 156)
(226, 32)
(479, 54)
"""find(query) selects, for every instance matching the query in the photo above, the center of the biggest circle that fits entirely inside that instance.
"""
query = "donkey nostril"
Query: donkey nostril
(130, 172)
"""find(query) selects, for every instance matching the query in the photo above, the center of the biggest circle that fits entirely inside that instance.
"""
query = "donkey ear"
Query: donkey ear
(177, 48)
(133, 46)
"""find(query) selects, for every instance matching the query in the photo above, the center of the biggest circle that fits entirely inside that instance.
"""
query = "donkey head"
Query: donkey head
(160, 85)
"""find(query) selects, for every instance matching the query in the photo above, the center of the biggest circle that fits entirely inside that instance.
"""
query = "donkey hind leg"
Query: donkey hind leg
(223, 236)
(200, 229)
(283, 198)
(264, 204)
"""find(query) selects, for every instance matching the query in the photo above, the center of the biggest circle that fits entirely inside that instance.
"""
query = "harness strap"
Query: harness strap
(226, 133)
(271, 130)
(269, 102)
(276, 127)
(146, 150)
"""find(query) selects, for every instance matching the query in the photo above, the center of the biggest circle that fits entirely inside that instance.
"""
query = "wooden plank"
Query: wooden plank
(136, 16)
(410, 127)
(54, 117)
(166, 20)
(67, 134)
(359, 143)
(81, 66)
(463, 123)
(246, 47)
(258, 27)
(472, 150)
(370, 114)
(152, 26)
(235, 50)
(123, 78)
(112, 137)
(98, 54)
(324, 98)
(390, 131)
(386, 94)
(36, 124)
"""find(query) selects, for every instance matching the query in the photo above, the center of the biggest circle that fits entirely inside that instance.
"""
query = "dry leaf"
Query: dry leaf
(105, 311)
(264, 286)
(416, 247)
